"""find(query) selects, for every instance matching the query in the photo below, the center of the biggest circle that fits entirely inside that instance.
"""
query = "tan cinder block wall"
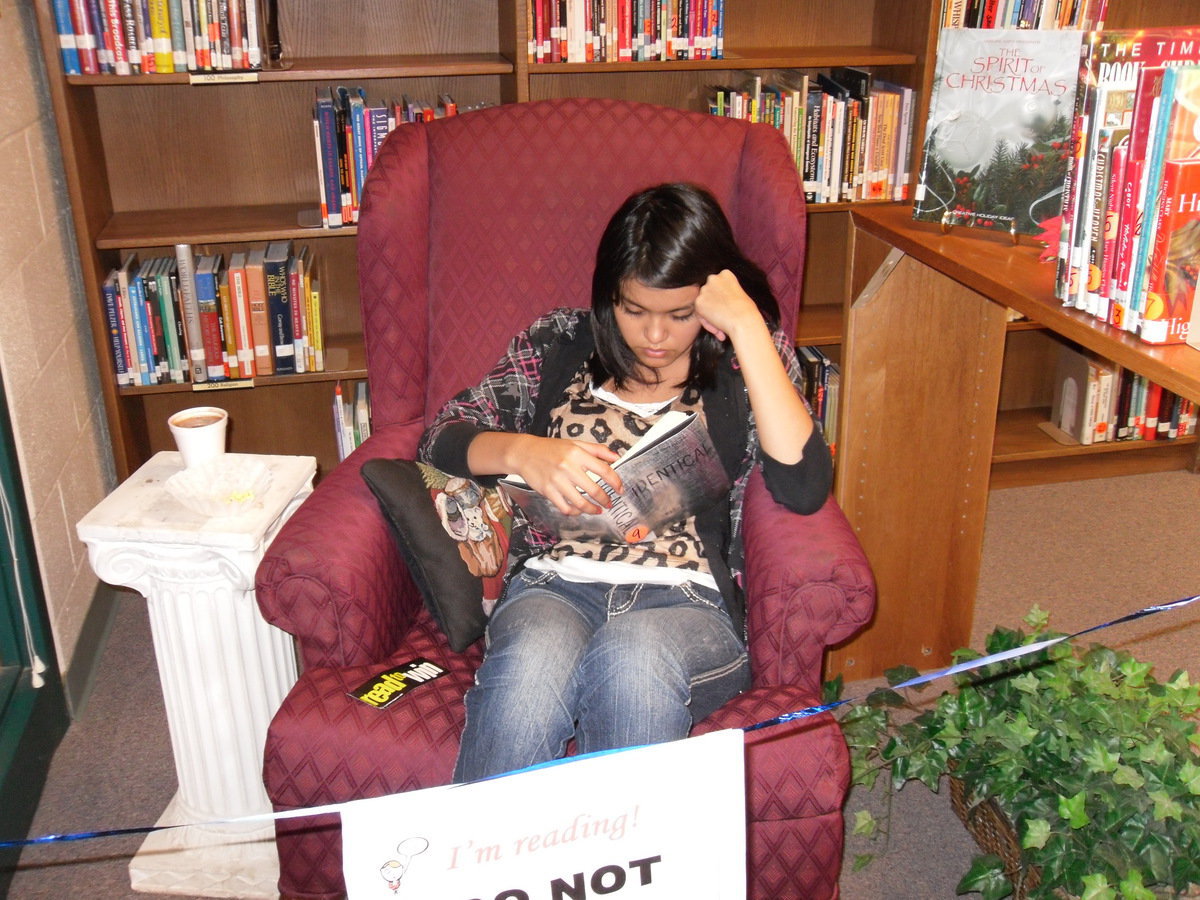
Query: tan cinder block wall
(49, 366)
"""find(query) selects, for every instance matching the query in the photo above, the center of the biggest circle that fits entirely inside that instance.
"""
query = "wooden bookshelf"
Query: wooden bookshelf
(924, 437)
(226, 162)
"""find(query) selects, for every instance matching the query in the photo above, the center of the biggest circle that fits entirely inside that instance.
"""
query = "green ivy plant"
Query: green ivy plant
(1094, 762)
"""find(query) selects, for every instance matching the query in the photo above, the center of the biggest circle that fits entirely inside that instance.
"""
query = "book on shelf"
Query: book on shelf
(179, 20)
(850, 134)
(192, 318)
(590, 31)
(351, 416)
(1097, 401)
(670, 473)
(1130, 120)
(134, 311)
(186, 266)
(208, 304)
(243, 328)
(124, 22)
(316, 334)
(821, 387)
(118, 337)
(233, 368)
(279, 306)
(145, 291)
(998, 132)
(135, 37)
(260, 318)
(1024, 14)
(1174, 258)
(159, 22)
(362, 413)
(161, 275)
(328, 156)
(1174, 136)
(1082, 391)
(85, 37)
(67, 47)
(299, 287)
(348, 130)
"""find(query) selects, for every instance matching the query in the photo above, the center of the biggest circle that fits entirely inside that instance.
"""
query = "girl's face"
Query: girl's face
(659, 325)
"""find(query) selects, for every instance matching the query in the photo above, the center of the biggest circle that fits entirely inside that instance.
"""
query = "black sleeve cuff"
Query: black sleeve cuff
(449, 452)
(802, 487)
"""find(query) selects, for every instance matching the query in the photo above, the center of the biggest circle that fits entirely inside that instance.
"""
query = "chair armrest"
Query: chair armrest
(333, 577)
(808, 586)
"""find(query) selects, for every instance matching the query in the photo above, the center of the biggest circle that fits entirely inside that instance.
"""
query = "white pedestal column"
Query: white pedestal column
(224, 670)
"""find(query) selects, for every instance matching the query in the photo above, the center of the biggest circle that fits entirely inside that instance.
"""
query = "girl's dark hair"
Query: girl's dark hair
(667, 236)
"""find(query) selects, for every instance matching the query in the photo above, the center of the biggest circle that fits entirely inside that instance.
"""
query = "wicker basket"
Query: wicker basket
(994, 833)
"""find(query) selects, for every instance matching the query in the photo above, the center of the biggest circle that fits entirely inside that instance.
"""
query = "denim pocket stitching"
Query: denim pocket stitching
(624, 607)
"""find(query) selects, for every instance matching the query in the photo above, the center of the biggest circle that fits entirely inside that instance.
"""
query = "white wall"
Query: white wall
(49, 367)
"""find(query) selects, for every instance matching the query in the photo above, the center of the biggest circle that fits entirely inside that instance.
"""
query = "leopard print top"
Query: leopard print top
(583, 416)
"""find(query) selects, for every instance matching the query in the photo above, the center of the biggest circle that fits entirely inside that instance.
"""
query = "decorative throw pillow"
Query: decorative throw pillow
(453, 535)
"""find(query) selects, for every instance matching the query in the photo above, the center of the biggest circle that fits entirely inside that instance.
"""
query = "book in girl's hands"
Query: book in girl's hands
(671, 473)
(999, 128)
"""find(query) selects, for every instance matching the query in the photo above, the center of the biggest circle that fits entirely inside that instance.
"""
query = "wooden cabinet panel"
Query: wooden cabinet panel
(921, 364)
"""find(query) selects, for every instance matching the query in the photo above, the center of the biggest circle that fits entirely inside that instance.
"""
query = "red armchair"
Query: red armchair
(470, 227)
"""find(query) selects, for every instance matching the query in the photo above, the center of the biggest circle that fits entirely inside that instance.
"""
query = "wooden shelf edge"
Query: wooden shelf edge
(1020, 440)
(843, 205)
(1014, 277)
(410, 66)
(214, 388)
(820, 325)
(211, 225)
(322, 69)
(1153, 456)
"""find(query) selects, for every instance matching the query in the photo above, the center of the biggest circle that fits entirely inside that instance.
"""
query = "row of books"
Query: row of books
(132, 37)
(1096, 401)
(351, 416)
(584, 31)
(822, 381)
(348, 131)
(850, 133)
(1041, 14)
(193, 317)
(1129, 244)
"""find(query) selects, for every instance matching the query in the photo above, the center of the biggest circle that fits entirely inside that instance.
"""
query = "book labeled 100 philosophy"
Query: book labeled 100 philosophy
(671, 473)
(998, 137)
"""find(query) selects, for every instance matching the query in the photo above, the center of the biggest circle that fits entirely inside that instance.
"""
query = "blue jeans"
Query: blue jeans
(610, 665)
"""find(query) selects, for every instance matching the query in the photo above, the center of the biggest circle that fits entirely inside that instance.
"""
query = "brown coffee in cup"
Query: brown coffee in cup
(199, 433)
(197, 421)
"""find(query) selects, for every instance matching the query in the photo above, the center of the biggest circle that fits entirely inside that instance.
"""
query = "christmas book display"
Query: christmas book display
(998, 136)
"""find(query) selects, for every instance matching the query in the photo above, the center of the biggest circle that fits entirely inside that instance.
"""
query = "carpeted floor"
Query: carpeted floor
(1086, 551)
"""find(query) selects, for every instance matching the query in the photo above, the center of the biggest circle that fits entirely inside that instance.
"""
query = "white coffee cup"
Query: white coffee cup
(199, 433)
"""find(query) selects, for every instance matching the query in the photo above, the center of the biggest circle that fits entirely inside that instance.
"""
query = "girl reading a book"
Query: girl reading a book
(617, 644)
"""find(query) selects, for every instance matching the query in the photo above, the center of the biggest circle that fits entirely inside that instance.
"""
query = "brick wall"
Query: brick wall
(49, 367)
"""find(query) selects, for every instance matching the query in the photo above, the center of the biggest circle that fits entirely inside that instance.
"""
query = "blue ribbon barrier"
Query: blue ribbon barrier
(966, 666)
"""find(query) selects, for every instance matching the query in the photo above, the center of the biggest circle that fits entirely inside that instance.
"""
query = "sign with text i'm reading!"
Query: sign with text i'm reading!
(649, 823)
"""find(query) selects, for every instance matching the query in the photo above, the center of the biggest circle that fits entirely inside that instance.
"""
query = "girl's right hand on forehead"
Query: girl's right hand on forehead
(557, 468)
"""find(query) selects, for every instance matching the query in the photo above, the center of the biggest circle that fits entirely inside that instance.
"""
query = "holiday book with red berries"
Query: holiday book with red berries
(997, 140)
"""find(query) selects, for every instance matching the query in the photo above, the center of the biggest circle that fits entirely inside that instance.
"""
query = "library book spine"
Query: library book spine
(185, 262)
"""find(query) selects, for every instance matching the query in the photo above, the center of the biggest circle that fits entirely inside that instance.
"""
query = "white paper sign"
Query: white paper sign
(652, 823)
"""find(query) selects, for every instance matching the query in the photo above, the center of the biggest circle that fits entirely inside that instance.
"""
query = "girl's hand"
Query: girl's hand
(725, 308)
(558, 468)
(784, 424)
